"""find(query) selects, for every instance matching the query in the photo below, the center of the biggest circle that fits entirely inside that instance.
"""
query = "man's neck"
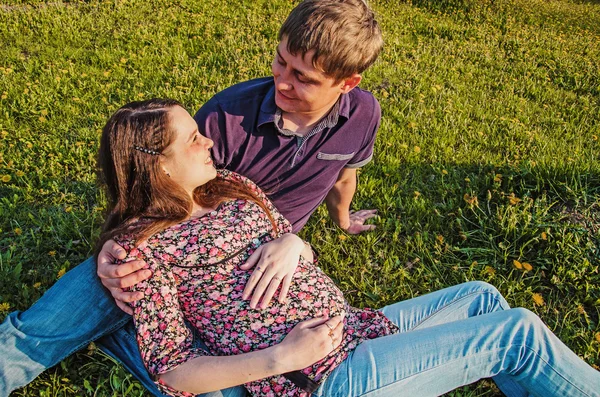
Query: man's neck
(302, 123)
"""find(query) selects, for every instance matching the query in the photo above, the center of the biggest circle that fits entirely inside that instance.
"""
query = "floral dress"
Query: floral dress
(197, 282)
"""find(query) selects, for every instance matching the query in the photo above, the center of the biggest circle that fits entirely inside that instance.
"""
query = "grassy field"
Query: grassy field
(487, 164)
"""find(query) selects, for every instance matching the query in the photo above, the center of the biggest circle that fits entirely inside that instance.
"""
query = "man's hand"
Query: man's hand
(357, 221)
(116, 277)
(275, 263)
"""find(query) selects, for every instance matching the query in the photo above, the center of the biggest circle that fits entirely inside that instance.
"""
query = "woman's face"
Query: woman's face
(187, 159)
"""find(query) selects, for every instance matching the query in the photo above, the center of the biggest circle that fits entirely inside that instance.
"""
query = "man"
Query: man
(300, 135)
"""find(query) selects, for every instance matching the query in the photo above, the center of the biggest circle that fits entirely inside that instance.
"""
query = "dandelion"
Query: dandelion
(490, 270)
(6, 178)
(527, 267)
(597, 336)
(440, 239)
(29, 145)
(37, 285)
(20, 173)
(581, 310)
(42, 119)
(538, 300)
(123, 60)
(417, 149)
(513, 200)
(4, 134)
(594, 137)
(468, 180)
(57, 78)
(69, 209)
(141, 94)
(44, 112)
(471, 200)
(417, 194)
(106, 73)
(444, 172)
(342, 237)
(517, 264)
(544, 236)
(498, 178)
(18, 231)
(52, 253)
(4, 95)
(412, 125)
(61, 273)
(4, 307)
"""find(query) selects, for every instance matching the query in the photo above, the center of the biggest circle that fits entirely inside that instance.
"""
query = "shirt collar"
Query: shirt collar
(270, 113)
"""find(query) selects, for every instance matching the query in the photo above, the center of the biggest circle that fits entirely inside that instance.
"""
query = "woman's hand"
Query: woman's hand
(310, 341)
(115, 277)
(275, 263)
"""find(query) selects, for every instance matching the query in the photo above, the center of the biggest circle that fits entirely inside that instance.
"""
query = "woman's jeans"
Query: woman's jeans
(448, 338)
(457, 336)
(74, 312)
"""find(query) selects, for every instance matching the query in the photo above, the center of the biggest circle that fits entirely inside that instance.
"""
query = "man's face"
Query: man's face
(299, 86)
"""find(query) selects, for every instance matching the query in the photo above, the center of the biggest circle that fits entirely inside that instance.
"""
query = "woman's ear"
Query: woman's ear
(165, 171)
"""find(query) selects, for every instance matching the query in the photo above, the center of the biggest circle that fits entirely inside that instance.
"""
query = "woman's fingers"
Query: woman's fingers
(252, 259)
(273, 285)
(127, 281)
(123, 306)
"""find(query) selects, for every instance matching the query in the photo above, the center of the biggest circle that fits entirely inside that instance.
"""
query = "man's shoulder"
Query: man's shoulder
(245, 91)
(363, 105)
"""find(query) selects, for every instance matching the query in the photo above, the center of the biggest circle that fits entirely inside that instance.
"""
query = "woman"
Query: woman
(195, 227)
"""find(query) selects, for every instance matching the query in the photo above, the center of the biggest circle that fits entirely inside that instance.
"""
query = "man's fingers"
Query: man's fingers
(125, 307)
(113, 249)
(252, 259)
(260, 289)
(125, 296)
(285, 288)
(122, 270)
(273, 285)
(127, 281)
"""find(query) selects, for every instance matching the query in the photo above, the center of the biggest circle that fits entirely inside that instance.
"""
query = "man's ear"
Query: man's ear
(350, 82)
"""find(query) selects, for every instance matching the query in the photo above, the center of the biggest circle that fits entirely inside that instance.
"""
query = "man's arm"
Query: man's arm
(338, 202)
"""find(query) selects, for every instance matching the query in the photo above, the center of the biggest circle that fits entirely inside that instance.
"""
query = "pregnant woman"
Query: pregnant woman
(195, 227)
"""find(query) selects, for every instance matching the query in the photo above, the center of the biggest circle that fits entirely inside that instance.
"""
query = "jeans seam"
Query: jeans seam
(457, 299)
(108, 331)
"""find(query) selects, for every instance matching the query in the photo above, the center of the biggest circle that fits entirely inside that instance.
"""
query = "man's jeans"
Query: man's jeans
(457, 336)
(74, 312)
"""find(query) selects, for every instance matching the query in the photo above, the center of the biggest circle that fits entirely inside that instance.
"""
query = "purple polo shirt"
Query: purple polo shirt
(295, 172)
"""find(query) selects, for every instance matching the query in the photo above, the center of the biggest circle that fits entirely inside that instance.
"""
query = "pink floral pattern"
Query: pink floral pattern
(196, 278)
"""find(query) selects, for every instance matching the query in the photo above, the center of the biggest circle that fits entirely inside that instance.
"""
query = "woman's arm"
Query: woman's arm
(306, 344)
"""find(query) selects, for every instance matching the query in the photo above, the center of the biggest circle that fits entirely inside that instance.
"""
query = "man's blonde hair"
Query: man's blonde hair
(343, 34)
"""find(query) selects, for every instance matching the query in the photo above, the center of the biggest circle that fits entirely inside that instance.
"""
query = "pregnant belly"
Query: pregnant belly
(229, 326)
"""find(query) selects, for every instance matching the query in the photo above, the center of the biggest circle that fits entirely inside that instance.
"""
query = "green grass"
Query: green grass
(488, 151)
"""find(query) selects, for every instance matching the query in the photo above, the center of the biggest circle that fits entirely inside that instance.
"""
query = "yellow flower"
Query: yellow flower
(44, 112)
(490, 270)
(527, 267)
(513, 200)
(544, 236)
(468, 180)
(123, 60)
(37, 285)
(517, 264)
(61, 273)
(6, 178)
(20, 173)
(440, 239)
(57, 78)
(42, 119)
(29, 145)
(52, 253)
(4, 95)
(4, 307)
(69, 209)
(444, 172)
(18, 231)
(538, 300)
(581, 310)
(141, 94)
(342, 237)
(498, 178)
(106, 73)
(417, 194)
(471, 200)
(417, 149)
(597, 336)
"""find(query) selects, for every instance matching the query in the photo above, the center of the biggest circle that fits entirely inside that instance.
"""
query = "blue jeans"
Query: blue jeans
(457, 336)
(74, 312)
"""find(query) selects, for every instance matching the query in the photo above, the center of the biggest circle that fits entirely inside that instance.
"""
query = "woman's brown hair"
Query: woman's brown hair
(137, 188)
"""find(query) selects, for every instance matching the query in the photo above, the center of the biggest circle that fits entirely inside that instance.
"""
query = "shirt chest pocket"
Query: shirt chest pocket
(334, 156)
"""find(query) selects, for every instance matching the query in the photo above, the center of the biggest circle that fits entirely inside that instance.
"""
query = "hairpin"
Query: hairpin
(148, 151)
